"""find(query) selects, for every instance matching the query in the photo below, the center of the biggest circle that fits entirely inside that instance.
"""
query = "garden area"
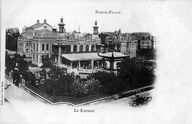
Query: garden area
(56, 82)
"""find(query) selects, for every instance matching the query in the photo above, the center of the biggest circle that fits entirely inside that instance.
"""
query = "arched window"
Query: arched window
(66, 48)
(81, 48)
(75, 48)
(87, 48)
(92, 48)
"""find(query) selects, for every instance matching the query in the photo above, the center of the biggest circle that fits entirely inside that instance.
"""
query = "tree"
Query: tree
(56, 72)
(9, 63)
(46, 62)
(30, 78)
(12, 35)
(108, 82)
(136, 72)
(65, 82)
(43, 73)
(21, 63)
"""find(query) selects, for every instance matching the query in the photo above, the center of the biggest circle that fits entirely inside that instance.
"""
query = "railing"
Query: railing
(136, 91)
(9, 78)
(64, 99)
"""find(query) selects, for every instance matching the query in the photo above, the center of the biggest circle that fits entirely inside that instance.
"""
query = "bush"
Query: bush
(108, 82)
(136, 72)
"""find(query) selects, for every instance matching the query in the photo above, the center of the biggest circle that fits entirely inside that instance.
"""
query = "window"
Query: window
(37, 47)
(33, 47)
(87, 48)
(33, 57)
(92, 48)
(36, 58)
(45, 26)
(43, 47)
(47, 46)
(81, 48)
(75, 48)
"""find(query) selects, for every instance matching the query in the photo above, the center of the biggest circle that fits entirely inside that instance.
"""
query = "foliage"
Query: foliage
(46, 61)
(20, 63)
(12, 35)
(139, 100)
(136, 72)
(65, 82)
(43, 73)
(62, 85)
(9, 63)
(56, 72)
(17, 65)
(30, 78)
(108, 82)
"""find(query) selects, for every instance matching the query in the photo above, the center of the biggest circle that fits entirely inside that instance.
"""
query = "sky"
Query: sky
(134, 17)
(168, 21)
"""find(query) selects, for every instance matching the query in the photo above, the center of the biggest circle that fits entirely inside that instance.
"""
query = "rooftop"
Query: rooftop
(81, 56)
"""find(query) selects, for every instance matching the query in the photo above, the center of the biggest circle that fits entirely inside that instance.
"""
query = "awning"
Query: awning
(113, 54)
(81, 56)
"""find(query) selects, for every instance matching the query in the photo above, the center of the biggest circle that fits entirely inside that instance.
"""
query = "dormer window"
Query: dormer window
(45, 26)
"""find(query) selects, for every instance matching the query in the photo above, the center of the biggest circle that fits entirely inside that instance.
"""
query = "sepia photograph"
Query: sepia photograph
(97, 62)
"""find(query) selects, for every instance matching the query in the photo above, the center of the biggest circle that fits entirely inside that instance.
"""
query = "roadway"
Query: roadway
(24, 108)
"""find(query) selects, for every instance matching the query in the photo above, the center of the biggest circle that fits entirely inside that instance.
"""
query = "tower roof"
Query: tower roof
(95, 26)
(61, 23)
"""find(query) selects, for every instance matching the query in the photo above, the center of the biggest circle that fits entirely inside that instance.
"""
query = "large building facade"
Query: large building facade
(42, 40)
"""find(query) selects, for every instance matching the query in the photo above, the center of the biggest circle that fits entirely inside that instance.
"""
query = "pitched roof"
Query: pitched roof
(43, 33)
(35, 26)
(38, 25)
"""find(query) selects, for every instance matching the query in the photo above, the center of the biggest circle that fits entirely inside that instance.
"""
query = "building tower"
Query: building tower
(95, 28)
(61, 26)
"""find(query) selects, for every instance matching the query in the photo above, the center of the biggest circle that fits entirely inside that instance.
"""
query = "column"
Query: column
(95, 49)
(59, 55)
(71, 64)
(78, 48)
(55, 59)
(24, 47)
(92, 64)
(72, 48)
(111, 64)
(97, 63)
(39, 47)
(89, 48)
(30, 49)
(79, 65)
(84, 47)
(39, 59)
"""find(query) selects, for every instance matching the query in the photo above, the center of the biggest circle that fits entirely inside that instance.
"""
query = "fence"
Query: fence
(63, 99)
(86, 99)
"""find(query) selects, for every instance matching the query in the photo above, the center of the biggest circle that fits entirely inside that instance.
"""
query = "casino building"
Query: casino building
(68, 49)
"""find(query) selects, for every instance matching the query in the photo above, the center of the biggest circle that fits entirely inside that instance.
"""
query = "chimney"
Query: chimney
(54, 29)
(61, 20)
(37, 21)
(45, 21)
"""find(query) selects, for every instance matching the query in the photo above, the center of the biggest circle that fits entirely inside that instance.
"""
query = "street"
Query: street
(25, 108)
(16, 94)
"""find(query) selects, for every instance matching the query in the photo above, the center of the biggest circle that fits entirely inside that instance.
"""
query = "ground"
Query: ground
(26, 109)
